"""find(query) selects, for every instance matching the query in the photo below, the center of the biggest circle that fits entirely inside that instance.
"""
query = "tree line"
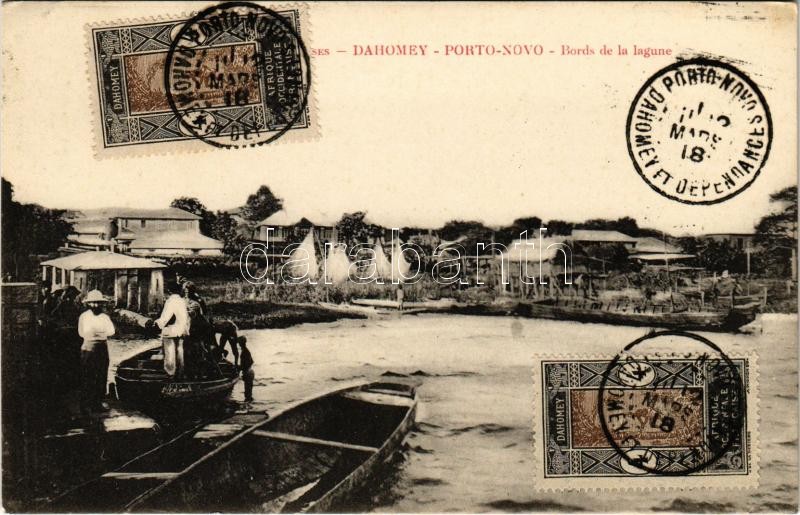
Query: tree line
(30, 230)
(775, 234)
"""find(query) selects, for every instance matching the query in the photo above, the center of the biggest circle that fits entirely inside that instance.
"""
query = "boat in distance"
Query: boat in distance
(430, 305)
(310, 457)
(581, 310)
(728, 318)
(141, 381)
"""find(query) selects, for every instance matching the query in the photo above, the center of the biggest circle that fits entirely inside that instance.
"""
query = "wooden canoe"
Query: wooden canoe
(595, 312)
(418, 306)
(375, 312)
(141, 381)
(352, 309)
(308, 458)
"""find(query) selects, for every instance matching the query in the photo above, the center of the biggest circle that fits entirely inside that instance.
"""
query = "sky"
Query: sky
(414, 141)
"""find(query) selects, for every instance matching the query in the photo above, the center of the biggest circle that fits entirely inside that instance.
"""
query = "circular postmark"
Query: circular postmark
(238, 75)
(699, 131)
(672, 403)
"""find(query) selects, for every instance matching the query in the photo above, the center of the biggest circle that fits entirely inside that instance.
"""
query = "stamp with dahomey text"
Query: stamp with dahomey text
(235, 75)
(646, 419)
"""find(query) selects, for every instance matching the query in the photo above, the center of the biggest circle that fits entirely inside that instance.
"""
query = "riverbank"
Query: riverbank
(226, 286)
(273, 306)
(259, 314)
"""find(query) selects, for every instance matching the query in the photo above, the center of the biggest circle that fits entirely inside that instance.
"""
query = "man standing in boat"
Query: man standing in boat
(199, 344)
(174, 324)
(94, 327)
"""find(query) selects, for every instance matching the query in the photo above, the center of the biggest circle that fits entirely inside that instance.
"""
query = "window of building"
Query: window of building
(142, 223)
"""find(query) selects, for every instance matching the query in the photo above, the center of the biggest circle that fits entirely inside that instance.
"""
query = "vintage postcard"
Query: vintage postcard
(399, 257)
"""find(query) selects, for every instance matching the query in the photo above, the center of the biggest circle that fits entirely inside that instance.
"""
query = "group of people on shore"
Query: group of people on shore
(188, 337)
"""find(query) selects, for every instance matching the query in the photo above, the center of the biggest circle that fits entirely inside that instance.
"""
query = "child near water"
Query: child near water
(401, 295)
(246, 366)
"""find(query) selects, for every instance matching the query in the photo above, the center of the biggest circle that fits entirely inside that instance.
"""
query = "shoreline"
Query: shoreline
(263, 314)
(256, 314)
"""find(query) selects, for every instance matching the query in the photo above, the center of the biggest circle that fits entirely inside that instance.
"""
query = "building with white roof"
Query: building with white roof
(152, 232)
(132, 282)
(284, 225)
(592, 236)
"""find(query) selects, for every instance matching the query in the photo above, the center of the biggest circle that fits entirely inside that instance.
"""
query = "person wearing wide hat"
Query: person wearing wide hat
(94, 327)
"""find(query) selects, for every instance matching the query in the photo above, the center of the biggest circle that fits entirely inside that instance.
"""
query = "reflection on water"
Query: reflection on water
(472, 449)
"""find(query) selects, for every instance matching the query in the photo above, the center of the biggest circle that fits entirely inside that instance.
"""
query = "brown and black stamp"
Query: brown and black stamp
(233, 75)
(670, 410)
(693, 405)
(246, 93)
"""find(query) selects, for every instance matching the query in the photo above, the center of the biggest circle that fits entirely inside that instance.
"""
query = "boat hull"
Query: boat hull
(360, 477)
(311, 457)
(729, 320)
(141, 381)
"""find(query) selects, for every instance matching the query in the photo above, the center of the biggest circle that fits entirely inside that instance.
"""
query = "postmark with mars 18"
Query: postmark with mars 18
(699, 131)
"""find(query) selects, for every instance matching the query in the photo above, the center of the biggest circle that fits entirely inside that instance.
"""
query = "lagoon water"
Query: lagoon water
(472, 448)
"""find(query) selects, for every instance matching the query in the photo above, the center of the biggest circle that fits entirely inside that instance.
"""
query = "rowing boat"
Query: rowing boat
(141, 381)
(311, 457)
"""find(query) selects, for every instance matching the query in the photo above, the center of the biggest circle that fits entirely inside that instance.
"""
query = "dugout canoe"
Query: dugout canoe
(141, 381)
(373, 312)
(350, 309)
(419, 306)
(311, 457)
(585, 310)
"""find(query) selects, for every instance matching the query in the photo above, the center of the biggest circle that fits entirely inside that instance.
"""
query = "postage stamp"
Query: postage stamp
(652, 419)
(233, 75)
(699, 131)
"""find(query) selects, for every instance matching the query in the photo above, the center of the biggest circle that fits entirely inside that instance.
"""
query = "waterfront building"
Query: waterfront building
(650, 245)
(153, 232)
(546, 265)
(175, 244)
(133, 283)
(654, 253)
(597, 237)
(738, 240)
(288, 227)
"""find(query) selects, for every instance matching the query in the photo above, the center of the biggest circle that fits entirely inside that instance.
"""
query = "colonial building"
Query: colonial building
(649, 245)
(153, 232)
(656, 254)
(591, 236)
(285, 227)
(134, 283)
(175, 244)
(537, 268)
(738, 240)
